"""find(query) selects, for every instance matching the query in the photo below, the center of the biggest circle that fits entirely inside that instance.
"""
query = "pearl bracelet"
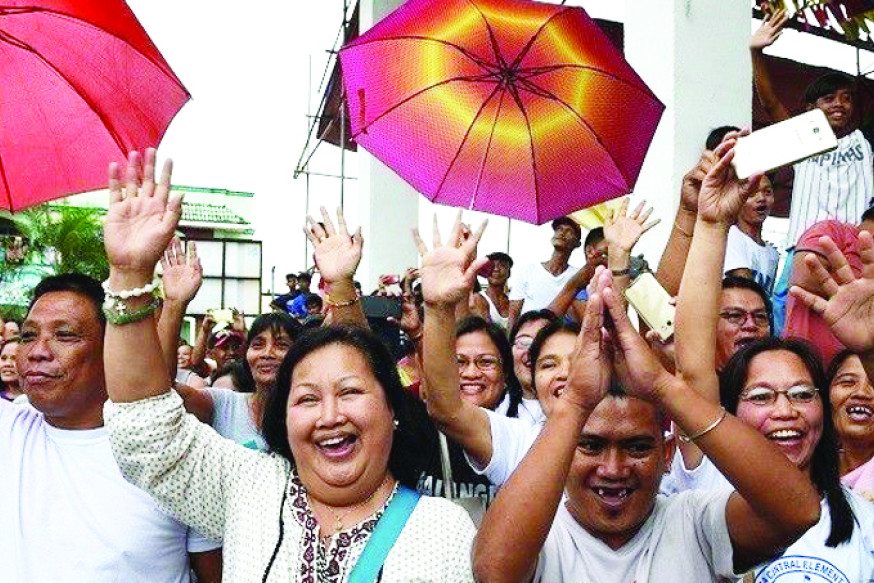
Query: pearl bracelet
(129, 293)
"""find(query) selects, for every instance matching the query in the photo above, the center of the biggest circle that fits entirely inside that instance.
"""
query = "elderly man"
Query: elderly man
(66, 513)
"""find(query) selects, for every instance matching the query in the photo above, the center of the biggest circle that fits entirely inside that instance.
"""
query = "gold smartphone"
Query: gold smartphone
(652, 303)
(222, 315)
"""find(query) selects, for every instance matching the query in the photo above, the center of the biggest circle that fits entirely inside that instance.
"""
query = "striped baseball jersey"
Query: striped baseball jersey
(837, 185)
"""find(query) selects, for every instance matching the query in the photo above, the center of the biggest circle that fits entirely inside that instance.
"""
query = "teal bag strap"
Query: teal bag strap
(383, 538)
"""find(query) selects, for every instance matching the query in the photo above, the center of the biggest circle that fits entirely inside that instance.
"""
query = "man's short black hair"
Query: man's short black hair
(290, 276)
(826, 85)
(305, 276)
(738, 282)
(501, 256)
(868, 215)
(313, 301)
(78, 283)
(570, 223)
(594, 237)
(714, 138)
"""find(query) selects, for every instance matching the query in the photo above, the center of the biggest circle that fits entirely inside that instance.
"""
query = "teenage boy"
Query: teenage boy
(746, 253)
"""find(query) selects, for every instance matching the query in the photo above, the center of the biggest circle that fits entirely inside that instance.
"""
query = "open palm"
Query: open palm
(448, 270)
(142, 216)
(847, 301)
(182, 273)
(337, 252)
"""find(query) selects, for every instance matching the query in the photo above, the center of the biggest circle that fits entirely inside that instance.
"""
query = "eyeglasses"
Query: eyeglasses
(797, 395)
(523, 342)
(484, 363)
(738, 317)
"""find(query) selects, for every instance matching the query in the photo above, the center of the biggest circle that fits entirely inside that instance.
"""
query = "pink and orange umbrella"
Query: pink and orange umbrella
(511, 107)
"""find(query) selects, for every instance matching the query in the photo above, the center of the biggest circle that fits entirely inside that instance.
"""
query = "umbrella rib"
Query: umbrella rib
(5, 181)
(4, 36)
(515, 93)
(165, 68)
(598, 71)
(482, 167)
(534, 36)
(547, 94)
(492, 39)
(483, 78)
(464, 140)
(473, 58)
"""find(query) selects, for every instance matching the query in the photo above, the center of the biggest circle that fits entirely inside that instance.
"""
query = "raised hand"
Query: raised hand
(449, 270)
(722, 192)
(590, 368)
(847, 303)
(142, 215)
(692, 181)
(622, 231)
(182, 272)
(337, 252)
(770, 30)
(635, 363)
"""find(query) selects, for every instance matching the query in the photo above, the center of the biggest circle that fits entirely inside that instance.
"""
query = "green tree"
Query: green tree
(69, 239)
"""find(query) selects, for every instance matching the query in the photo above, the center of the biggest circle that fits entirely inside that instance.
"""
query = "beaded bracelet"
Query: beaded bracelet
(116, 311)
(334, 304)
(126, 294)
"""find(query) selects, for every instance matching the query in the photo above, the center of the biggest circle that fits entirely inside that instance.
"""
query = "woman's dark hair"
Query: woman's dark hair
(240, 375)
(275, 322)
(824, 465)
(531, 316)
(499, 338)
(836, 363)
(554, 327)
(405, 458)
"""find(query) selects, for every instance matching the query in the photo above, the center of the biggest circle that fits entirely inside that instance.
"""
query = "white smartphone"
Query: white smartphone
(784, 143)
(652, 303)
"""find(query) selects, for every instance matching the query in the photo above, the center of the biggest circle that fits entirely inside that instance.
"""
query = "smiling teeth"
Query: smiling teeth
(861, 410)
(620, 492)
(784, 434)
(332, 441)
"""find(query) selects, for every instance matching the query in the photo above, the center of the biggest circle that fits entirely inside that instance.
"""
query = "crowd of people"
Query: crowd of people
(506, 423)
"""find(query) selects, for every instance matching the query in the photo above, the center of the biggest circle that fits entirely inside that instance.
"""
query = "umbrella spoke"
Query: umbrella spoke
(487, 78)
(534, 37)
(514, 91)
(541, 92)
(482, 166)
(479, 61)
(535, 71)
(464, 140)
(499, 58)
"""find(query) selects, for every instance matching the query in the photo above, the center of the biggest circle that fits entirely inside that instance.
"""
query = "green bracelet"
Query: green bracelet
(117, 315)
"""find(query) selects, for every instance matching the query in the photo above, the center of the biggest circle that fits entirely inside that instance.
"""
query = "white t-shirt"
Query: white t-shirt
(232, 419)
(836, 185)
(494, 314)
(511, 440)
(529, 410)
(808, 560)
(742, 252)
(536, 287)
(684, 539)
(67, 514)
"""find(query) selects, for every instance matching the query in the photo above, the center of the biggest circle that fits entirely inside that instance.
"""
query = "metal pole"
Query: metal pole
(342, 151)
(509, 224)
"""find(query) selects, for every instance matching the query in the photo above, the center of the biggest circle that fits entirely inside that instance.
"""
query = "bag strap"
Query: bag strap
(446, 467)
(383, 537)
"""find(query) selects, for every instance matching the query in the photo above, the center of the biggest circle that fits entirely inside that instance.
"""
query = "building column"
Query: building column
(695, 58)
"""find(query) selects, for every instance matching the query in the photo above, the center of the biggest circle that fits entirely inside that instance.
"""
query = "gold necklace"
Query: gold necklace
(339, 517)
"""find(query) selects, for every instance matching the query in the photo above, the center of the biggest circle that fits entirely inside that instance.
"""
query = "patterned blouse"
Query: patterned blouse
(227, 491)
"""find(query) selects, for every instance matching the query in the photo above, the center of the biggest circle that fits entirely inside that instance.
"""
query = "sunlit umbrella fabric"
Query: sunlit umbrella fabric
(516, 108)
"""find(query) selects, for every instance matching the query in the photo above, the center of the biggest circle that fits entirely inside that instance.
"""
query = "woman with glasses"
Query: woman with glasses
(521, 338)
(776, 386)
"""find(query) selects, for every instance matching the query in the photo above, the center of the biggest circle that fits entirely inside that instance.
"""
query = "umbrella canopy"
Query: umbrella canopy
(82, 86)
(512, 107)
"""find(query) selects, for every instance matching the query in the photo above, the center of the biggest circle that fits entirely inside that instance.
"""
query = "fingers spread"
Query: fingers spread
(812, 301)
(420, 244)
(328, 223)
(837, 263)
(115, 194)
(866, 254)
(820, 275)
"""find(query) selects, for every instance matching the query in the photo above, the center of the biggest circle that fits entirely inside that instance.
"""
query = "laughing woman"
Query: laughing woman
(331, 501)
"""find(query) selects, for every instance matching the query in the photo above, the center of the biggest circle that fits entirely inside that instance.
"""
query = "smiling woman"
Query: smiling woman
(332, 497)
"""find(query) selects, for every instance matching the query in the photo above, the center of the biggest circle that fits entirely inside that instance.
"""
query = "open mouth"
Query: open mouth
(612, 496)
(741, 342)
(860, 413)
(472, 388)
(338, 446)
(786, 436)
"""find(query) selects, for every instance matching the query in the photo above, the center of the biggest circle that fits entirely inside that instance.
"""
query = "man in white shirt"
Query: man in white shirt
(583, 504)
(534, 286)
(66, 512)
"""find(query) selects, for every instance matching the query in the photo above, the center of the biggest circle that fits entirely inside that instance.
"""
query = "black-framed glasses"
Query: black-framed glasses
(738, 317)
(485, 362)
(797, 395)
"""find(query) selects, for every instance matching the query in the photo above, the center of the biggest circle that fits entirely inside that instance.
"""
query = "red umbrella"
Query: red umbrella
(516, 108)
(82, 85)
